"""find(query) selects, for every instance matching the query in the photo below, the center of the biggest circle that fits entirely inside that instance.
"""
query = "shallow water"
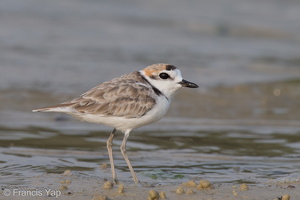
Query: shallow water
(253, 154)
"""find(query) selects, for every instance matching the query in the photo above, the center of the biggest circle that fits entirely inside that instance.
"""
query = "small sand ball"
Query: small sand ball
(153, 195)
(68, 181)
(107, 185)
(67, 173)
(103, 166)
(121, 189)
(286, 197)
(234, 192)
(190, 192)
(179, 190)
(244, 187)
(100, 197)
(65, 181)
(162, 195)
(63, 187)
(189, 184)
(205, 184)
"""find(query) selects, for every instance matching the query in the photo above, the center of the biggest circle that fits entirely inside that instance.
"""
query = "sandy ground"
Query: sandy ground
(70, 186)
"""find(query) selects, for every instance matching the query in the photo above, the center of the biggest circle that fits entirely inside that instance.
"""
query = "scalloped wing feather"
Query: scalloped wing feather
(128, 96)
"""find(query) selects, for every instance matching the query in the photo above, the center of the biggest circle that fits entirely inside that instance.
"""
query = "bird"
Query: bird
(127, 102)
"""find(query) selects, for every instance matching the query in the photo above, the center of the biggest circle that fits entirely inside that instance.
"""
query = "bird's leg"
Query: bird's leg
(123, 150)
(110, 154)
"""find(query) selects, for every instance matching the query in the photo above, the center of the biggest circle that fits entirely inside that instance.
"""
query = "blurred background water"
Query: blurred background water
(242, 124)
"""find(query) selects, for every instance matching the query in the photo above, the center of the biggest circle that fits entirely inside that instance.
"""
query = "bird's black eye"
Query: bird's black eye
(164, 76)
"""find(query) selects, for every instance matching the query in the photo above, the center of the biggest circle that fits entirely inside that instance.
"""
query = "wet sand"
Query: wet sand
(73, 186)
(276, 100)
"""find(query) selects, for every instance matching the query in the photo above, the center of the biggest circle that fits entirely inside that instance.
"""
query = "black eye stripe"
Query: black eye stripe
(164, 76)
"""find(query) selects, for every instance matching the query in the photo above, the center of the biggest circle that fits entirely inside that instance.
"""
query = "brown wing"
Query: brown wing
(120, 97)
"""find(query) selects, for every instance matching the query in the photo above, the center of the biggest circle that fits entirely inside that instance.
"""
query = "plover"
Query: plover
(127, 102)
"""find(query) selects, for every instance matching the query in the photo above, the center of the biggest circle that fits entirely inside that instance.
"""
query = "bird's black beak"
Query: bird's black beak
(188, 84)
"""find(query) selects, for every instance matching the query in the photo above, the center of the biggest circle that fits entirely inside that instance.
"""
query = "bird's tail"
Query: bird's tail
(58, 108)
